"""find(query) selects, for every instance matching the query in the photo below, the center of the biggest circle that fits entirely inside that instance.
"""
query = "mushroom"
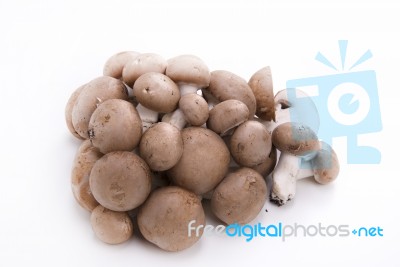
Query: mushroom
(156, 93)
(250, 144)
(161, 146)
(261, 84)
(265, 168)
(68, 111)
(239, 197)
(324, 167)
(111, 227)
(95, 92)
(142, 64)
(120, 181)
(191, 74)
(164, 218)
(295, 141)
(225, 85)
(85, 158)
(115, 126)
(227, 115)
(116, 63)
(204, 161)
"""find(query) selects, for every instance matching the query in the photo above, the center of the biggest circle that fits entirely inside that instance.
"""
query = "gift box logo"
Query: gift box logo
(348, 105)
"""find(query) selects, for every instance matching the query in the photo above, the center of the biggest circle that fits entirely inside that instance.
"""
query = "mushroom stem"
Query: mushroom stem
(284, 178)
(282, 115)
(148, 117)
(176, 118)
(186, 88)
(305, 170)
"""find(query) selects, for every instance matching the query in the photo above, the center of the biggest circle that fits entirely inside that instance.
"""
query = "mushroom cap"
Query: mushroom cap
(261, 84)
(111, 227)
(250, 144)
(299, 106)
(157, 92)
(116, 63)
(85, 158)
(325, 164)
(265, 168)
(115, 126)
(227, 115)
(120, 181)
(95, 92)
(161, 146)
(194, 108)
(164, 217)
(295, 138)
(239, 197)
(141, 64)
(188, 69)
(225, 85)
(68, 111)
(204, 161)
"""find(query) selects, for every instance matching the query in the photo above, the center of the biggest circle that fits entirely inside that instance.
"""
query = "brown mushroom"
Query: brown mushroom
(116, 63)
(115, 126)
(120, 181)
(164, 218)
(204, 161)
(194, 108)
(111, 227)
(68, 111)
(239, 197)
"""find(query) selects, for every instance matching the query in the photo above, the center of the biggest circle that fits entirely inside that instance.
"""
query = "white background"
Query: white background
(49, 48)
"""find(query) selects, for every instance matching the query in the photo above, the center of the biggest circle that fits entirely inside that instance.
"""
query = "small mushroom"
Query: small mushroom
(227, 115)
(68, 111)
(142, 64)
(225, 85)
(115, 126)
(161, 146)
(194, 108)
(164, 218)
(204, 161)
(85, 158)
(120, 181)
(116, 63)
(261, 84)
(111, 227)
(95, 92)
(156, 93)
(295, 141)
(239, 197)
(250, 144)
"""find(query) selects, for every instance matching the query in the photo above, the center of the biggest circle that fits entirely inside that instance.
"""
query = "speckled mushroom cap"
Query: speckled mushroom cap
(120, 181)
(141, 64)
(115, 126)
(261, 84)
(95, 92)
(164, 218)
(250, 144)
(157, 92)
(239, 197)
(295, 138)
(195, 109)
(116, 63)
(325, 165)
(225, 85)
(204, 161)
(188, 69)
(227, 115)
(161, 146)
(111, 227)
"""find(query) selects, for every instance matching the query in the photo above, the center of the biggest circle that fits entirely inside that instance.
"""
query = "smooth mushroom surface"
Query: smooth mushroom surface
(239, 197)
(194, 109)
(164, 218)
(325, 165)
(120, 181)
(116, 63)
(115, 126)
(111, 227)
(68, 111)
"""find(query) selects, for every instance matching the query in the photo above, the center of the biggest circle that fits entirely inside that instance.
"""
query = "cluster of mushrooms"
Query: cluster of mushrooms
(161, 136)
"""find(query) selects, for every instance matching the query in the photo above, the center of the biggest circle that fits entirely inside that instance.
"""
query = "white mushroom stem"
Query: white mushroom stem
(284, 178)
(305, 170)
(176, 118)
(185, 88)
(148, 117)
